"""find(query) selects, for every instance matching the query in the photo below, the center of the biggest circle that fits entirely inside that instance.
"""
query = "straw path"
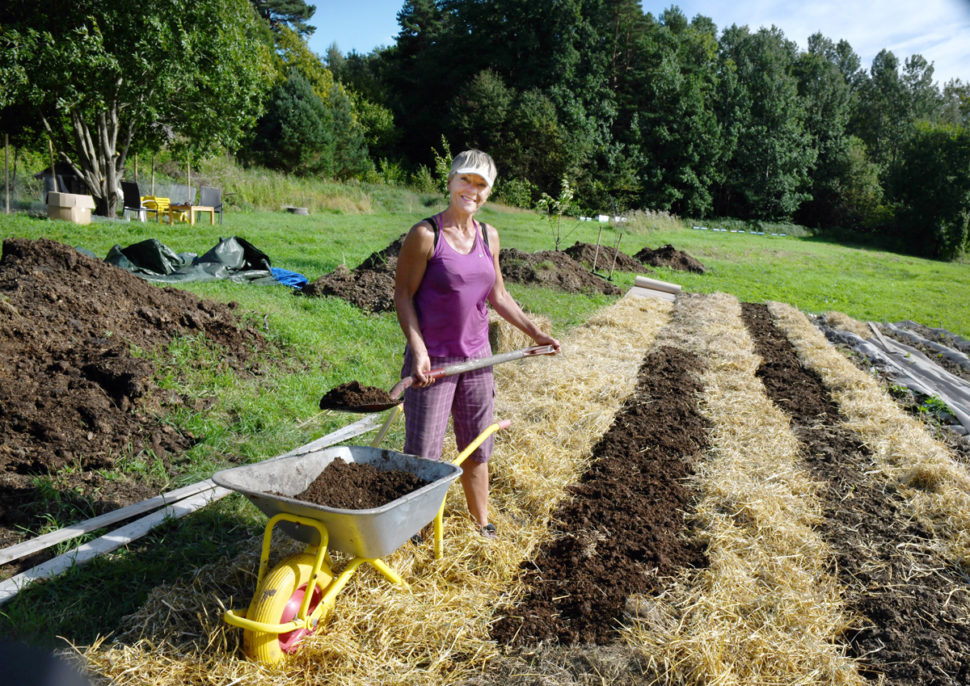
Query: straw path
(935, 484)
(766, 611)
(437, 633)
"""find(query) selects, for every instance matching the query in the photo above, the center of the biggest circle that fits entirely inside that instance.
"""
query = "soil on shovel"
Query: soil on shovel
(358, 486)
(668, 256)
(74, 399)
(352, 395)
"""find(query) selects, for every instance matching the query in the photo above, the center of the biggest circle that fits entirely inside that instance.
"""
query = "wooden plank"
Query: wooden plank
(107, 543)
(34, 545)
(651, 293)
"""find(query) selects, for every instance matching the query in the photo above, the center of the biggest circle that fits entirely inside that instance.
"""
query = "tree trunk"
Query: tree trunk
(99, 163)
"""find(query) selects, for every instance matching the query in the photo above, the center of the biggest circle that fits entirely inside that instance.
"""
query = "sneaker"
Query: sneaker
(489, 531)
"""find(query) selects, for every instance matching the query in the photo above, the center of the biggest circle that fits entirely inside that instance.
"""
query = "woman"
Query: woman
(447, 269)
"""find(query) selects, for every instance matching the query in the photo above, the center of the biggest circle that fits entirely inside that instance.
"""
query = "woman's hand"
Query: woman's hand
(543, 338)
(420, 366)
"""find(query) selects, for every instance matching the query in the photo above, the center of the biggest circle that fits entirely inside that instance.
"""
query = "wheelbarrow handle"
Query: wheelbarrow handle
(471, 365)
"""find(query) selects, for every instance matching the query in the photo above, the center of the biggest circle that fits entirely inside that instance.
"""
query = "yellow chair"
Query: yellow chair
(161, 206)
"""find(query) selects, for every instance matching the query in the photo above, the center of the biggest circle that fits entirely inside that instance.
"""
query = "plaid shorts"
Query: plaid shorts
(469, 400)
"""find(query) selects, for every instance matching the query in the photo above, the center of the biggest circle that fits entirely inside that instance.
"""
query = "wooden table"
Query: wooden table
(191, 210)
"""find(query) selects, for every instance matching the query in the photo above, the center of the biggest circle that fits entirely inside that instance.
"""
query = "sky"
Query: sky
(939, 30)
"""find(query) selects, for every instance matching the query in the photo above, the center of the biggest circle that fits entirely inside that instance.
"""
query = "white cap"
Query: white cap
(475, 162)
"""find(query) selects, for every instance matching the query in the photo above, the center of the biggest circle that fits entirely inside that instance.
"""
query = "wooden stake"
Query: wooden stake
(6, 168)
(153, 174)
(50, 147)
(597, 253)
(616, 251)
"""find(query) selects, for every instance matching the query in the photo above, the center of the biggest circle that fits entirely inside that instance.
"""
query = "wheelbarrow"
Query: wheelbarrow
(283, 612)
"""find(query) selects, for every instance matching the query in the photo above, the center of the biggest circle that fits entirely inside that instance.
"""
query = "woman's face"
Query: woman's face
(468, 192)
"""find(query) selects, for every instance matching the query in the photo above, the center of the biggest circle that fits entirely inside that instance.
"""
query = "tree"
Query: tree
(827, 96)
(674, 133)
(932, 187)
(296, 133)
(292, 14)
(100, 74)
(767, 174)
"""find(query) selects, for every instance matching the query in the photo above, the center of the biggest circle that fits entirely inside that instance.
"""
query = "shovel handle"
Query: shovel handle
(471, 365)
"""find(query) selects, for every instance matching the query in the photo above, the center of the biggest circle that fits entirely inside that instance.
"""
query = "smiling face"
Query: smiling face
(468, 192)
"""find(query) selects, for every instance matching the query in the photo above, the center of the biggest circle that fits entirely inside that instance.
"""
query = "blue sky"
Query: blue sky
(937, 29)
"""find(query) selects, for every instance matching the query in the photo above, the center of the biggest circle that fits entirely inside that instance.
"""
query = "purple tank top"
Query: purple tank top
(451, 299)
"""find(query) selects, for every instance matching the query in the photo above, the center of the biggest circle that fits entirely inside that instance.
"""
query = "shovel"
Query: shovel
(394, 397)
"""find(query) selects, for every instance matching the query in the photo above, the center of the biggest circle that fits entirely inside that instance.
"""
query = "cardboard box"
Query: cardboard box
(70, 207)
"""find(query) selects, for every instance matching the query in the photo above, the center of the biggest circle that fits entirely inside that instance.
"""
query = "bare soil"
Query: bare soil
(604, 259)
(622, 529)
(358, 486)
(75, 399)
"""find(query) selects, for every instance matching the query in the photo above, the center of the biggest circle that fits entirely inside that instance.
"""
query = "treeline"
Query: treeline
(670, 113)
(625, 109)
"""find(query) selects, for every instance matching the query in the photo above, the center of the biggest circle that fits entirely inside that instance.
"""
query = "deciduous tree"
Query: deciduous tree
(101, 73)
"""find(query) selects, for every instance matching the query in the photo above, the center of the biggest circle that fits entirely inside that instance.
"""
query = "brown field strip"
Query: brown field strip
(766, 610)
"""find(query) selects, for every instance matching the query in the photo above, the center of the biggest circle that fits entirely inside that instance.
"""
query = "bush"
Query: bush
(516, 192)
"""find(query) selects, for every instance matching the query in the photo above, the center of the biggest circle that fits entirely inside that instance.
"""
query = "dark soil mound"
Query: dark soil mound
(552, 269)
(603, 258)
(370, 286)
(71, 392)
(668, 256)
(913, 632)
(622, 530)
(357, 486)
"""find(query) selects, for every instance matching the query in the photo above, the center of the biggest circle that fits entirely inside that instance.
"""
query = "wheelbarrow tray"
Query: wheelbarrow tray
(371, 533)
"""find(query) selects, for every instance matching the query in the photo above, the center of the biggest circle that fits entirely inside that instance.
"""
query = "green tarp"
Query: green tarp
(235, 259)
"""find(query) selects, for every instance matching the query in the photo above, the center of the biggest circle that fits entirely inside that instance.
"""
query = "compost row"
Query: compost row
(910, 629)
(621, 530)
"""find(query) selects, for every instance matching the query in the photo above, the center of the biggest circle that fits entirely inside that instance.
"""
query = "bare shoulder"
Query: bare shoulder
(419, 240)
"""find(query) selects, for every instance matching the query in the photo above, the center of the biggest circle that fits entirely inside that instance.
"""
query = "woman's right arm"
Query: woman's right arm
(417, 249)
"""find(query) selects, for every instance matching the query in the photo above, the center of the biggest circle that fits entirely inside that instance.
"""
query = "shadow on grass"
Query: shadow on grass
(90, 601)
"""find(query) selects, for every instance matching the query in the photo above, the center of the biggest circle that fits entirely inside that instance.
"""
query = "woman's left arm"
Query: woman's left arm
(503, 302)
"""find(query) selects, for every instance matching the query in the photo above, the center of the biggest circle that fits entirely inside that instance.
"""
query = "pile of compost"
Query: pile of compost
(77, 388)
(672, 258)
(358, 486)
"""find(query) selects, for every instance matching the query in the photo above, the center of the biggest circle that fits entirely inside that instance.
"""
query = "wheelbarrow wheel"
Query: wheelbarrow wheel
(277, 601)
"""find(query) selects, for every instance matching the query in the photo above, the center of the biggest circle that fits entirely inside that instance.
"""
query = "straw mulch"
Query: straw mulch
(437, 632)
(766, 611)
(840, 320)
(936, 485)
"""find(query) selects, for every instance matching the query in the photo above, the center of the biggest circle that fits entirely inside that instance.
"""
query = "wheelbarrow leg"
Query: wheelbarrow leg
(462, 456)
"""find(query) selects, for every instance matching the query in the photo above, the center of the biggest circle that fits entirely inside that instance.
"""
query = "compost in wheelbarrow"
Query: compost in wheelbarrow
(359, 486)
(368, 533)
